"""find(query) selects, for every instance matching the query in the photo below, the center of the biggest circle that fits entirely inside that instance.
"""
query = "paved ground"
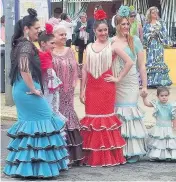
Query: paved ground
(141, 171)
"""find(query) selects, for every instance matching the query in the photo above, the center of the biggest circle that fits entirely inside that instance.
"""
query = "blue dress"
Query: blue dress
(38, 147)
(126, 106)
(154, 38)
(162, 142)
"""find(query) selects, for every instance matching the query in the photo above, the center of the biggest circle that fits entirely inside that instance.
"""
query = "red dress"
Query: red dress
(100, 128)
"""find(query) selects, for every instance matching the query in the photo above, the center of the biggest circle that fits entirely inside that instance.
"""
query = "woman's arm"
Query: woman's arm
(77, 29)
(140, 33)
(146, 102)
(127, 60)
(142, 69)
(25, 67)
(83, 84)
(29, 82)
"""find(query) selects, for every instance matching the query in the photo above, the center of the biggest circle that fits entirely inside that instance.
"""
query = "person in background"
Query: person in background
(155, 37)
(136, 28)
(2, 29)
(140, 17)
(81, 39)
(67, 22)
(90, 24)
(57, 13)
(55, 20)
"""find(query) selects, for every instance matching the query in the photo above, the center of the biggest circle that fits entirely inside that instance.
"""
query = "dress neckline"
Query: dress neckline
(100, 50)
(61, 55)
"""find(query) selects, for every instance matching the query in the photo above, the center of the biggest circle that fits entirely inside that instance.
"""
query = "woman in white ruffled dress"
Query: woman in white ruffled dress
(127, 90)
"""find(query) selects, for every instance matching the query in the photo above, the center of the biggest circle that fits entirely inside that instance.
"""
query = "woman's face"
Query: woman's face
(83, 19)
(124, 27)
(101, 32)
(132, 18)
(33, 31)
(49, 45)
(154, 14)
(60, 36)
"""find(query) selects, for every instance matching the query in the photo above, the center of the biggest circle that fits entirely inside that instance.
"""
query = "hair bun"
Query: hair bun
(32, 12)
(100, 15)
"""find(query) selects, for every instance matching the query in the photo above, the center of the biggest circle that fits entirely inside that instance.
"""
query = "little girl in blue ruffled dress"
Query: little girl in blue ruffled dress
(162, 141)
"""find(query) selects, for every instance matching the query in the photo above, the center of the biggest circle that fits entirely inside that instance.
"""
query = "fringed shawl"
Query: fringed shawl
(98, 62)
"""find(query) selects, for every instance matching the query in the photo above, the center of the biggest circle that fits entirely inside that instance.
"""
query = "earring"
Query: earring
(27, 35)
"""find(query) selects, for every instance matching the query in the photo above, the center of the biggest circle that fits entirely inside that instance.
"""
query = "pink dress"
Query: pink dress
(65, 67)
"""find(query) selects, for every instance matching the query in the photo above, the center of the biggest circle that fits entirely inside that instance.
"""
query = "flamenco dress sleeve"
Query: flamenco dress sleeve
(24, 57)
(154, 103)
(146, 34)
(173, 111)
(163, 34)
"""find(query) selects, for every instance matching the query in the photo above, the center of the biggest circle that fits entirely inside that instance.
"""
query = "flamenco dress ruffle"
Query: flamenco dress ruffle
(133, 130)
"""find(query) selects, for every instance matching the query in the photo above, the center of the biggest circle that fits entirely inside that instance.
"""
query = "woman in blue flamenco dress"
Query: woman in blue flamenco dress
(38, 147)
(154, 38)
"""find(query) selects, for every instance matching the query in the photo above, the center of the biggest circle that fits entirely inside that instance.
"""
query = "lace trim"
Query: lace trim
(100, 116)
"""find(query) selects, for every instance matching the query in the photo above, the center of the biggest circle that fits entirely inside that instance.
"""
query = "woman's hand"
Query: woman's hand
(144, 92)
(82, 97)
(111, 78)
(35, 92)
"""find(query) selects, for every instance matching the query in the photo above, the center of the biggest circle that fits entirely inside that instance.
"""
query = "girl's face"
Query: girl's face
(60, 36)
(33, 31)
(102, 32)
(124, 27)
(154, 14)
(49, 45)
(163, 97)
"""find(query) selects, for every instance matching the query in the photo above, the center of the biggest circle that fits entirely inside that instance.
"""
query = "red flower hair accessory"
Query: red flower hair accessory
(48, 28)
(100, 15)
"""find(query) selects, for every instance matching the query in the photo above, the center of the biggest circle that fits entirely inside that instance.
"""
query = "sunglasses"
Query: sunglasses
(132, 16)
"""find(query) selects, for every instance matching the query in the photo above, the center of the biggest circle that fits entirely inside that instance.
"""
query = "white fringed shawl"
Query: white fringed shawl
(98, 62)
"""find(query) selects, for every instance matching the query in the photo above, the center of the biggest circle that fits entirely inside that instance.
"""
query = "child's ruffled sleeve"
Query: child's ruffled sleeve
(154, 103)
(173, 111)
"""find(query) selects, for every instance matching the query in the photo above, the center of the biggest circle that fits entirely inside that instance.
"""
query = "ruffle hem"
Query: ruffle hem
(133, 130)
(37, 149)
(102, 141)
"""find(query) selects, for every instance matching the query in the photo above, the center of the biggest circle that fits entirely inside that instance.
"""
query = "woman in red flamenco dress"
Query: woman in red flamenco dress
(100, 128)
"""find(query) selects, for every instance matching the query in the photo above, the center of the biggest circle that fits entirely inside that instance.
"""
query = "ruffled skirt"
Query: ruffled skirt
(38, 147)
(162, 144)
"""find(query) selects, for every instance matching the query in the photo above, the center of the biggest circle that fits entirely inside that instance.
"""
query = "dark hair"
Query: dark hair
(98, 22)
(44, 37)
(56, 10)
(28, 21)
(3, 19)
(162, 89)
(97, 7)
(64, 16)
